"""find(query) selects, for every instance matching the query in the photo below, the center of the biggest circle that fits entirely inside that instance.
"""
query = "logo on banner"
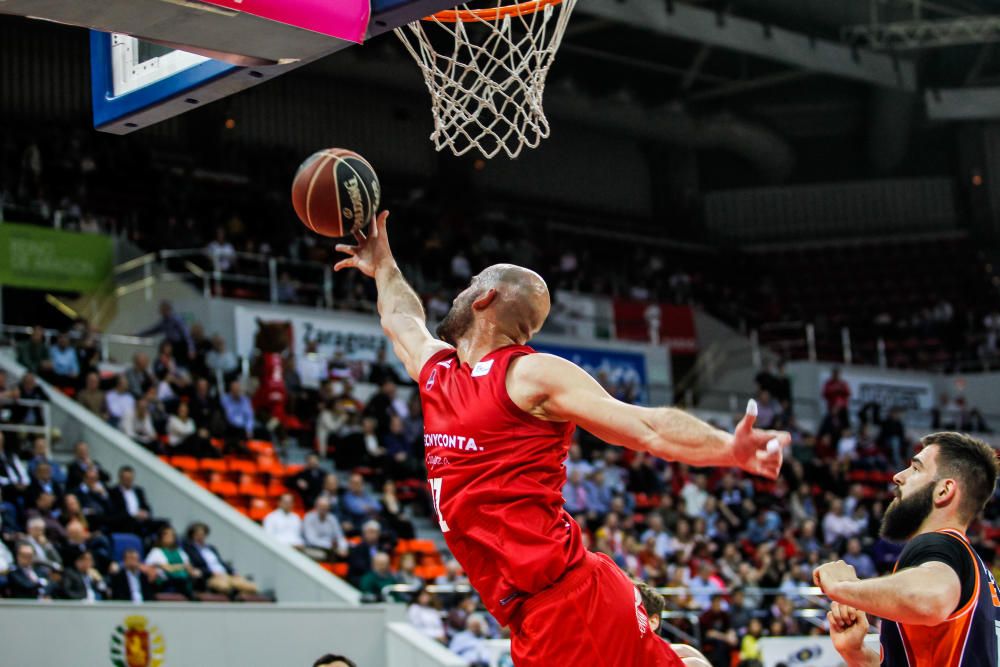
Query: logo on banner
(133, 644)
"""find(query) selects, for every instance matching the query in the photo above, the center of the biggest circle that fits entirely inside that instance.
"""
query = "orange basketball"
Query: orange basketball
(335, 192)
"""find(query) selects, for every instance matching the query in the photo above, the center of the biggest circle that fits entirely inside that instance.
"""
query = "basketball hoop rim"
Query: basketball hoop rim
(492, 13)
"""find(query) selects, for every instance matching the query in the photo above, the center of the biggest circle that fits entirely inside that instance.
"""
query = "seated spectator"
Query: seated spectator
(332, 492)
(78, 540)
(837, 526)
(6, 563)
(119, 401)
(82, 581)
(95, 500)
(392, 513)
(138, 377)
(42, 482)
(239, 415)
(31, 415)
(719, 638)
(14, 477)
(133, 582)
(41, 454)
(33, 353)
(359, 558)
(329, 423)
(360, 504)
(169, 372)
(288, 289)
(72, 510)
(221, 577)
(407, 571)
(402, 464)
(25, 581)
(131, 509)
(426, 617)
(324, 538)
(453, 574)
(381, 371)
(384, 404)
(175, 572)
(309, 481)
(77, 468)
(184, 437)
(204, 406)
(470, 644)
(219, 360)
(283, 524)
(65, 363)
(575, 493)
(576, 462)
(221, 252)
(377, 578)
(9, 392)
(137, 424)
(750, 652)
(862, 563)
(47, 558)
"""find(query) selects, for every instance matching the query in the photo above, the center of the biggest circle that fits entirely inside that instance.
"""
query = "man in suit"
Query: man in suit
(359, 558)
(95, 500)
(133, 581)
(219, 576)
(47, 557)
(43, 482)
(82, 581)
(77, 541)
(24, 581)
(309, 481)
(77, 469)
(129, 507)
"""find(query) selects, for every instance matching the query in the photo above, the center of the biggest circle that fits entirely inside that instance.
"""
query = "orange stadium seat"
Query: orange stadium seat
(188, 464)
(214, 465)
(221, 486)
(259, 508)
(242, 466)
(250, 485)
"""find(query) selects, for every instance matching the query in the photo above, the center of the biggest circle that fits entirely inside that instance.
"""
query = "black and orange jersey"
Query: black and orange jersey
(971, 635)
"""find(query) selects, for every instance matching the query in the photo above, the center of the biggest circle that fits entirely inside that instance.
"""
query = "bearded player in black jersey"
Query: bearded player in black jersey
(941, 605)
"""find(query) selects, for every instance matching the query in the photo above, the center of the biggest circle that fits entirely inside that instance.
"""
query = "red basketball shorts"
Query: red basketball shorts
(592, 616)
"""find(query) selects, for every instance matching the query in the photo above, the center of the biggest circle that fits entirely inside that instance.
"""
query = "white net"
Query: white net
(486, 76)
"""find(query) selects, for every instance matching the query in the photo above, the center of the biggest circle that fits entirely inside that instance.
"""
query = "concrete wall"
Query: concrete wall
(220, 635)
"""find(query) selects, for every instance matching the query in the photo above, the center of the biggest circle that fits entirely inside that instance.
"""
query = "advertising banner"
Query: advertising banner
(43, 258)
(359, 340)
(622, 373)
(888, 390)
(806, 651)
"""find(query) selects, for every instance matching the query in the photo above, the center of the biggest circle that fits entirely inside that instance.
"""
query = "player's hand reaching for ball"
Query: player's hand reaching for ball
(756, 451)
(371, 252)
(848, 627)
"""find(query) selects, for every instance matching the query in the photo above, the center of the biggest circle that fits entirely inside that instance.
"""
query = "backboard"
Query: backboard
(154, 59)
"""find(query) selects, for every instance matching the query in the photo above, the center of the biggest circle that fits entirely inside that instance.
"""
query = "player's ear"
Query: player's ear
(945, 492)
(485, 300)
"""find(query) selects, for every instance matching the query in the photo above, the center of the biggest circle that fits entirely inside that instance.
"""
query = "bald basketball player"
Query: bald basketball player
(497, 424)
(941, 606)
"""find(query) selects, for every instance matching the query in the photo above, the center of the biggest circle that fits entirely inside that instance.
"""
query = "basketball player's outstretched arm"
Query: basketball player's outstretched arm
(555, 389)
(399, 307)
(923, 595)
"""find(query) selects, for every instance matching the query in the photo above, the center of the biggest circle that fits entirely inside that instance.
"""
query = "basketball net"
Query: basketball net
(485, 70)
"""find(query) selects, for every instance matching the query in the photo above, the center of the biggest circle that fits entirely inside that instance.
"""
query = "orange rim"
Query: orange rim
(493, 13)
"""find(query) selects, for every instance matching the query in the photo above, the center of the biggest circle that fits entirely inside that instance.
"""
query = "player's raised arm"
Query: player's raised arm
(555, 389)
(401, 311)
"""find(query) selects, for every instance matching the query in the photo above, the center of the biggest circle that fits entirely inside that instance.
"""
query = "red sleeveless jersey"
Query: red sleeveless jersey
(496, 476)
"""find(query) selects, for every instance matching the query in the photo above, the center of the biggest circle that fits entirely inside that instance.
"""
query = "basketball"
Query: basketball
(335, 192)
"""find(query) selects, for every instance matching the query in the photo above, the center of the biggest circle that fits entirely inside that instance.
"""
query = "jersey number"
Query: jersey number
(436, 498)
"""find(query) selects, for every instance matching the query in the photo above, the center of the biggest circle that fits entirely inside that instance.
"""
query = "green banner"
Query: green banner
(43, 258)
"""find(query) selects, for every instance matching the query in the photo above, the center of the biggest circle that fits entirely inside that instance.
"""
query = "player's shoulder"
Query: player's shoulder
(537, 367)
(437, 354)
(936, 546)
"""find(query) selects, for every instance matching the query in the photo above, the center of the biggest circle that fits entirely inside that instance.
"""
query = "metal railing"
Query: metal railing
(813, 613)
(104, 340)
(44, 429)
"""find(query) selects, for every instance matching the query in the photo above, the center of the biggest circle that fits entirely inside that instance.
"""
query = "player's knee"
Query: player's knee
(685, 651)
(695, 662)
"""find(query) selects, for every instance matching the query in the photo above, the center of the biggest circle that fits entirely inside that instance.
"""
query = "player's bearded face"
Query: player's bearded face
(458, 320)
(904, 516)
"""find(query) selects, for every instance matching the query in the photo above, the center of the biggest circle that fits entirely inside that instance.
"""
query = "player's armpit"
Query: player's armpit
(411, 341)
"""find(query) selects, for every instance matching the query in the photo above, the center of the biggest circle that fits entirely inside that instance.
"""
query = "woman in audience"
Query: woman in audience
(176, 574)
(425, 617)
(184, 437)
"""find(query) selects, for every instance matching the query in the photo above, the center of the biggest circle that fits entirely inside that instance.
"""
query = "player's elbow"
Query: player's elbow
(927, 607)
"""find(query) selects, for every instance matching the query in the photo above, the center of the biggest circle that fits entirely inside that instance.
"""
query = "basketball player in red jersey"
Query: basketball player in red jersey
(497, 423)
(941, 606)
